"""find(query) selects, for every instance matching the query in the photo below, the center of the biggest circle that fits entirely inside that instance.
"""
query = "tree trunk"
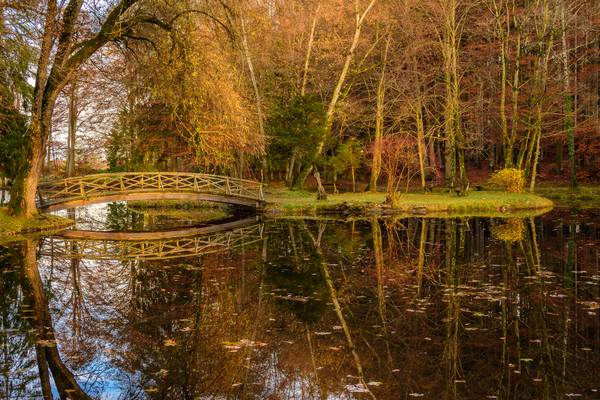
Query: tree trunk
(568, 100)
(72, 130)
(503, 35)
(454, 146)
(515, 87)
(64, 379)
(546, 41)
(309, 51)
(360, 18)
(321, 193)
(352, 168)
(379, 117)
(259, 111)
(50, 81)
(27, 205)
(421, 143)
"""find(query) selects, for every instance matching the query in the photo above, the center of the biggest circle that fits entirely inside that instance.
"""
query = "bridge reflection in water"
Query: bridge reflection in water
(94, 245)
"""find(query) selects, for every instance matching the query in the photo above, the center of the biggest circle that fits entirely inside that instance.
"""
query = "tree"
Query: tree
(569, 120)
(360, 16)
(379, 122)
(349, 156)
(450, 40)
(399, 162)
(64, 48)
(295, 131)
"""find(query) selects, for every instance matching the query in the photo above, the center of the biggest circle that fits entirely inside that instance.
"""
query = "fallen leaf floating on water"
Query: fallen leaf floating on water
(170, 343)
(235, 346)
(358, 388)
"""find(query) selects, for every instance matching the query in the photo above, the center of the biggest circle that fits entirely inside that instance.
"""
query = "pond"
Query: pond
(332, 308)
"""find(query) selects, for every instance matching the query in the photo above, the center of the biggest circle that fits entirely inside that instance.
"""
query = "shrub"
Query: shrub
(510, 179)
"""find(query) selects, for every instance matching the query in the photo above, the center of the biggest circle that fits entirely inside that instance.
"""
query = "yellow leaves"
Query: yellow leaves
(170, 343)
(512, 231)
(511, 179)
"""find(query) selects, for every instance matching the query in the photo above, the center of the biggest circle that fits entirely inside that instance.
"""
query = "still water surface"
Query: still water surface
(471, 308)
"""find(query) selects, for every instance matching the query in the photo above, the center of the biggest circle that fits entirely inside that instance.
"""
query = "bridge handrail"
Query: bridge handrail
(152, 249)
(124, 182)
(149, 173)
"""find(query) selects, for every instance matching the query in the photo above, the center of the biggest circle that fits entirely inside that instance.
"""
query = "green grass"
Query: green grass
(484, 202)
(583, 197)
(14, 225)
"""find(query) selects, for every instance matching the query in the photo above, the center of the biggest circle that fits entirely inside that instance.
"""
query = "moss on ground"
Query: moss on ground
(15, 225)
(475, 203)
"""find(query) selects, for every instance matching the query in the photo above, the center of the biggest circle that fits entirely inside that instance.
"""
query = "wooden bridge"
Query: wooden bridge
(147, 246)
(100, 188)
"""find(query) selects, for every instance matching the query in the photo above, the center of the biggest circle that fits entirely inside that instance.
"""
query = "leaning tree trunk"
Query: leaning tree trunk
(25, 202)
(337, 91)
(65, 381)
(58, 60)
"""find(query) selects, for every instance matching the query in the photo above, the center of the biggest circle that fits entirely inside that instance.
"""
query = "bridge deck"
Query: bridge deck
(149, 185)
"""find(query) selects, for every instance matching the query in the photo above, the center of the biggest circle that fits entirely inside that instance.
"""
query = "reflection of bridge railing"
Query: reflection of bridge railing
(216, 188)
(151, 249)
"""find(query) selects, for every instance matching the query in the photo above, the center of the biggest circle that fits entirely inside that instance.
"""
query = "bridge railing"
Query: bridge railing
(160, 249)
(78, 187)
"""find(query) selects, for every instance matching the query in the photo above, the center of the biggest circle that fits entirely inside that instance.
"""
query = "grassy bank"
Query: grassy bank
(477, 203)
(562, 196)
(16, 225)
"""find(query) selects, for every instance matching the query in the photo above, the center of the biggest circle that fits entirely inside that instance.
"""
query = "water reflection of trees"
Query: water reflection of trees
(389, 308)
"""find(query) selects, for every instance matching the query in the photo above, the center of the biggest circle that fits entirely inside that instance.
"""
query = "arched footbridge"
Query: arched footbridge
(99, 188)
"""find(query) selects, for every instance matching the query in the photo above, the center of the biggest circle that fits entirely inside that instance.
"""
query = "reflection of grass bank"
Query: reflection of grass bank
(484, 202)
(584, 196)
(198, 211)
(179, 204)
(14, 225)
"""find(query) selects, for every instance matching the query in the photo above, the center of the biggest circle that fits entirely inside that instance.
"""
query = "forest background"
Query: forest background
(402, 93)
